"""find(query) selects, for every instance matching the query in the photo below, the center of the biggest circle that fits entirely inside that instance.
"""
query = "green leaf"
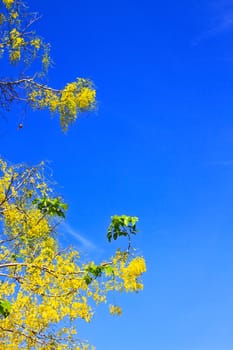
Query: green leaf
(96, 271)
(5, 306)
(108, 270)
(88, 279)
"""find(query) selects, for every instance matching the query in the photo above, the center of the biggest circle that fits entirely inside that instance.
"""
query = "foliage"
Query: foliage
(41, 285)
(21, 47)
(122, 226)
(44, 289)
(52, 207)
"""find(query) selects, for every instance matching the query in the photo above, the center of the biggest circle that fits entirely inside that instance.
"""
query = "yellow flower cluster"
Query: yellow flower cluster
(37, 225)
(32, 223)
(8, 3)
(74, 98)
(129, 273)
(6, 289)
(136, 267)
(85, 98)
(132, 272)
(115, 310)
(19, 44)
(16, 43)
(4, 183)
(36, 43)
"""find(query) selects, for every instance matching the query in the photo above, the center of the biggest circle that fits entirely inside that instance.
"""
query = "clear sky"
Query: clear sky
(160, 147)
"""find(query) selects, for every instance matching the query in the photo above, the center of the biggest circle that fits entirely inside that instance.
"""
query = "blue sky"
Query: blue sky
(160, 147)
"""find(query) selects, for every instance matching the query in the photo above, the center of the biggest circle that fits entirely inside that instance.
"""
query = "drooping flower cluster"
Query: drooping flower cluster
(75, 98)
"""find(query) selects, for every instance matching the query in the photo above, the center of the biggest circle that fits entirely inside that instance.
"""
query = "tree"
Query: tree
(44, 289)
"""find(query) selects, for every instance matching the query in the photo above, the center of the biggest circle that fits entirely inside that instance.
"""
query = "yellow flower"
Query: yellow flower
(115, 310)
(36, 43)
(14, 14)
(8, 3)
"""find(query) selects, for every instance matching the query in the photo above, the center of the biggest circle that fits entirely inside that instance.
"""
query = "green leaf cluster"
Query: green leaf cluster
(122, 225)
(52, 207)
(92, 272)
